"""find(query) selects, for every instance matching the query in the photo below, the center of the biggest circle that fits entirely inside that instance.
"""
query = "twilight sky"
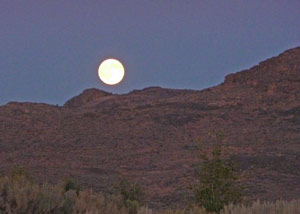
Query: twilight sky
(50, 50)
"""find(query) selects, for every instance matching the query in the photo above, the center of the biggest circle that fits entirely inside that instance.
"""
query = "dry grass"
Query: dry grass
(20, 195)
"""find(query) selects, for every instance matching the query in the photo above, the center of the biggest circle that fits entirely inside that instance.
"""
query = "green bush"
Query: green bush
(217, 178)
(70, 184)
(132, 195)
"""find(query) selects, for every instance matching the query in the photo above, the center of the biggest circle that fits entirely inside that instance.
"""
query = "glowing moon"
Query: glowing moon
(111, 71)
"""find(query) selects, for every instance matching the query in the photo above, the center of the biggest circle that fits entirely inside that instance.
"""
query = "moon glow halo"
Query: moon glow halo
(111, 71)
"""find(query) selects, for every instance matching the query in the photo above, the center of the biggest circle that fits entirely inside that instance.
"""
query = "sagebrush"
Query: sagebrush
(19, 194)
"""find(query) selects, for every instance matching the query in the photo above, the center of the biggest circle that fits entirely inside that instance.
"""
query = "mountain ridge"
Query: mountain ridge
(149, 135)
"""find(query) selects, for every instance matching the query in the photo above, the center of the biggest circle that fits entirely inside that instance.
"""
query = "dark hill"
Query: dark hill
(150, 135)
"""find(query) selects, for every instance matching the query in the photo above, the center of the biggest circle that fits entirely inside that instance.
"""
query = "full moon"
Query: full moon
(111, 71)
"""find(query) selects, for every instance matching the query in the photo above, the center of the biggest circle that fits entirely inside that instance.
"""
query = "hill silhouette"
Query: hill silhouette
(150, 135)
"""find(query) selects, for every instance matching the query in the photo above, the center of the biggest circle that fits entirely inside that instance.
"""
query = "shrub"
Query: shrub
(278, 207)
(20, 195)
(70, 184)
(217, 176)
(132, 195)
(96, 203)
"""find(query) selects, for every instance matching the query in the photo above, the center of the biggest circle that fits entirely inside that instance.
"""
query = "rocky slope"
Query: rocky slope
(150, 135)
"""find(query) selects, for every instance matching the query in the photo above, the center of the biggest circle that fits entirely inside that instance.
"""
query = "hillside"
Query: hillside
(150, 135)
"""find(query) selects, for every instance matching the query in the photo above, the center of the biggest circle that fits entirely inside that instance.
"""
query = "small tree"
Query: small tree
(132, 195)
(217, 178)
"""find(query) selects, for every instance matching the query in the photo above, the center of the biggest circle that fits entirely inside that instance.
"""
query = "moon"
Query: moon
(111, 71)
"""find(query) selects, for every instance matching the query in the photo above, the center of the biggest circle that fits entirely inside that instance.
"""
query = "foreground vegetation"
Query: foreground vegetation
(216, 191)
(20, 194)
(217, 176)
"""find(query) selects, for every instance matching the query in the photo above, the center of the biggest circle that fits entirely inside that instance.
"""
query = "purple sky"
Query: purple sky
(50, 50)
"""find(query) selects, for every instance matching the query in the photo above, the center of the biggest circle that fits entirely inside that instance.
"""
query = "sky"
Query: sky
(50, 50)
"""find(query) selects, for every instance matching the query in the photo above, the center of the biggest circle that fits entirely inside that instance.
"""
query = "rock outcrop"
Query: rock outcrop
(87, 97)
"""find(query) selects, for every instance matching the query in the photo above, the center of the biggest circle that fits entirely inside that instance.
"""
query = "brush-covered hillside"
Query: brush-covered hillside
(150, 135)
